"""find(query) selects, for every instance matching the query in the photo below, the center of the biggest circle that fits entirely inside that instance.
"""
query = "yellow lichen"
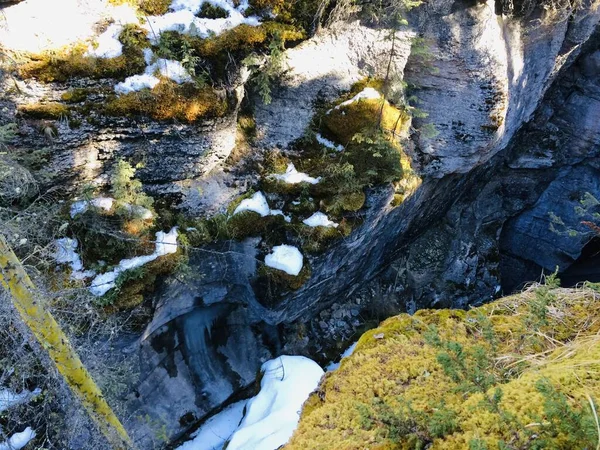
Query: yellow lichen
(50, 110)
(76, 95)
(365, 114)
(186, 103)
(155, 7)
(396, 390)
(72, 62)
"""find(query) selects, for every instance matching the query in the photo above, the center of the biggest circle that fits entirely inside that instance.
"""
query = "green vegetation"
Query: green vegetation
(518, 373)
(169, 101)
(50, 110)
(154, 7)
(271, 69)
(71, 63)
(125, 188)
(210, 11)
(76, 95)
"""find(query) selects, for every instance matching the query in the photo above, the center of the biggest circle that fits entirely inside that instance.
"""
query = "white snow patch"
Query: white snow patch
(165, 243)
(292, 176)
(335, 365)
(66, 254)
(273, 415)
(286, 258)
(8, 398)
(171, 69)
(278, 212)
(366, 94)
(183, 19)
(138, 212)
(329, 144)
(40, 25)
(18, 440)
(257, 203)
(167, 68)
(81, 206)
(136, 83)
(106, 203)
(213, 434)
(319, 219)
(108, 44)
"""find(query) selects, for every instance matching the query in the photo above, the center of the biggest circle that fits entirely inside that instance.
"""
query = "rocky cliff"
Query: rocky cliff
(513, 102)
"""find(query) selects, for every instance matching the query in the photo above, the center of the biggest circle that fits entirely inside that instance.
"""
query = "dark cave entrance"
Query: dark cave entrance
(586, 267)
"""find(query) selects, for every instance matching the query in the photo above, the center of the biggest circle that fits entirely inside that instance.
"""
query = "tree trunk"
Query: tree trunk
(49, 334)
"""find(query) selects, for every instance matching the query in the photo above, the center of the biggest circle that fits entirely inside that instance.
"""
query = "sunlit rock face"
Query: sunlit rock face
(82, 142)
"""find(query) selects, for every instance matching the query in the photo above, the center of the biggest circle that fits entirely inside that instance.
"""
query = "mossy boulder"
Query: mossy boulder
(49, 110)
(154, 7)
(72, 62)
(343, 122)
(169, 101)
(520, 372)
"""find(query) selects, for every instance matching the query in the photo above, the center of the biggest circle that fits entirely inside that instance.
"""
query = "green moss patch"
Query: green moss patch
(50, 110)
(168, 101)
(72, 63)
(209, 11)
(516, 373)
(366, 114)
(272, 284)
(154, 7)
(76, 95)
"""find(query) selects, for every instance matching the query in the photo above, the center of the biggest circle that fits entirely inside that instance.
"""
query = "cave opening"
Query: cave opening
(586, 267)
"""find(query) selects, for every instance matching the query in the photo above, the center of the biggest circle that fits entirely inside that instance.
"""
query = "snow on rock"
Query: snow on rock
(136, 83)
(286, 258)
(41, 25)
(106, 203)
(18, 440)
(183, 19)
(329, 144)
(138, 211)
(167, 68)
(319, 219)
(66, 253)
(366, 94)
(257, 203)
(107, 45)
(217, 430)
(8, 398)
(165, 243)
(273, 415)
(292, 176)
(171, 69)
(335, 365)
(81, 206)
(278, 212)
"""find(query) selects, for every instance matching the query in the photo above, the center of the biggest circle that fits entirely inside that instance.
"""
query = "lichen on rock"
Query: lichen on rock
(507, 372)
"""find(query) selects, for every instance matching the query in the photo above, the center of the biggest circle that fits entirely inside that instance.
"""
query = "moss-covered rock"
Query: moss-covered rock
(72, 62)
(343, 122)
(76, 95)
(154, 7)
(209, 11)
(168, 101)
(50, 110)
(272, 284)
(516, 373)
